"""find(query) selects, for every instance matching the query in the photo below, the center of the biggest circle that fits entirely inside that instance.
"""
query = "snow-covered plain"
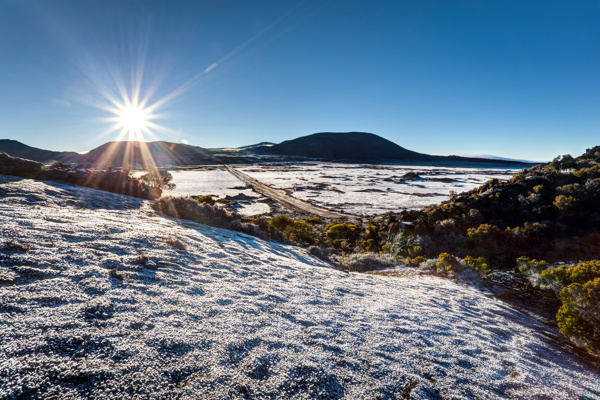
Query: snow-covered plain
(219, 314)
(367, 189)
(359, 189)
(219, 183)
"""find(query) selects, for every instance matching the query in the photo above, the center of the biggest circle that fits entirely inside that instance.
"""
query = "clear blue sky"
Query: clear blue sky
(515, 78)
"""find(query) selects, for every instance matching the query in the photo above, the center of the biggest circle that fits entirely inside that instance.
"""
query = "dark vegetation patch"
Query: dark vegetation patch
(13, 246)
(112, 180)
(204, 213)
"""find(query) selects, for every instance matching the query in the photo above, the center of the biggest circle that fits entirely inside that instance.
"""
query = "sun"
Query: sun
(134, 119)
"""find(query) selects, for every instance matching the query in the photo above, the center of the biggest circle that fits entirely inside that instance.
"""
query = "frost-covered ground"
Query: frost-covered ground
(369, 189)
(217, 182)
(218, 314)
(359, 189)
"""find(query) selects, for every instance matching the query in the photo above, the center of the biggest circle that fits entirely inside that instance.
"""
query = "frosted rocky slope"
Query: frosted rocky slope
(218, 314)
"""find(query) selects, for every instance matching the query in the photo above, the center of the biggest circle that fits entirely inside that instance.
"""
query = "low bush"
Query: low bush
(187, 208)
(478, 264)
(344, 230)
(447, 263)
(367, 262)
(581, 273)
(207, 199)
(403, 244)
(157, 177)
(578, 289)
(281, 222)
(315, 220)
(300, 232)
(578, 318)
(325, 254)
(115, 181)
(415, 262)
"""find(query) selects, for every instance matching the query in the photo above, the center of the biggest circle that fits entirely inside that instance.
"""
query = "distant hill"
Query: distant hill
(114, 153)
(363, 146)
(493, 157)
(159, 153)
(344, 145)
(18, 149)
(253, 146)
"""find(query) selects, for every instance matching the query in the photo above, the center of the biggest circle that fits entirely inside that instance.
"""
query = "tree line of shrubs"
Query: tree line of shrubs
(147, 186)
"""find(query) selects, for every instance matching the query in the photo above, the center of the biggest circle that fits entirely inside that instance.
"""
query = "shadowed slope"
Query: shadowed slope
(18, 149)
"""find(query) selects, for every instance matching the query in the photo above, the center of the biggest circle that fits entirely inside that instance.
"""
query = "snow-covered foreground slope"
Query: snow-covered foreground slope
(219, 314)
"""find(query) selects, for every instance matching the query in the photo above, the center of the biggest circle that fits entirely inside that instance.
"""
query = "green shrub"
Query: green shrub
(403, 244)
(447, 262)
(281, 222)
(483, 231)
(343, 231)
(415, 262)
(588, 173)
(315, 220)
(538, 188)
(581, 273)
(366, 262)
(157, 178)
(477, 264)
(261, 223)
(564, 202)
(578, 318)
(370, 244)
(207, 199)
(527, 265)
(300, 232)
(530, 229)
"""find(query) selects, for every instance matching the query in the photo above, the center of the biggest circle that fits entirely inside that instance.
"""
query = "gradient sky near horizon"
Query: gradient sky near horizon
(518, 79)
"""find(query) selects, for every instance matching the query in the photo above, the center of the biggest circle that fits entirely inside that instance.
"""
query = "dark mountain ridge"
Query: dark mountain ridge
(332, 146)
(18, 149)
(159, 153)
(363, 146)
(344, 145)
(116, 154)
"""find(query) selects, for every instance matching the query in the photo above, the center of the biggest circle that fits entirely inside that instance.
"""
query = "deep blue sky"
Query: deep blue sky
(516, 78)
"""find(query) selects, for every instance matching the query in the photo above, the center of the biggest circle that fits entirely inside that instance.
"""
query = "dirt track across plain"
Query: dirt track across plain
(284, 199)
